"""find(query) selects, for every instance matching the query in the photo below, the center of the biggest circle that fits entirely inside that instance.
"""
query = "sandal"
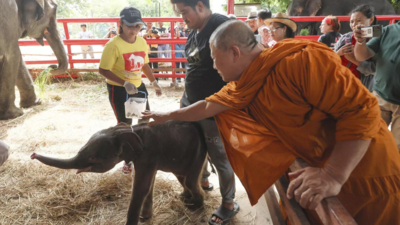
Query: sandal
(127, 168)
(224, 214)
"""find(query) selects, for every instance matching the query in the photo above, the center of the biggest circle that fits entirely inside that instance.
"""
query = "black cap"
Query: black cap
(131, 16)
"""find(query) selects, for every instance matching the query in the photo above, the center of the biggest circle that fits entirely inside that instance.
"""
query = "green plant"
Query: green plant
(304, 32)
(43, 80)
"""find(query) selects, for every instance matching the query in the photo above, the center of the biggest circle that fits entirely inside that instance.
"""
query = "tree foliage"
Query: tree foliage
(282, 5)
(273, 5)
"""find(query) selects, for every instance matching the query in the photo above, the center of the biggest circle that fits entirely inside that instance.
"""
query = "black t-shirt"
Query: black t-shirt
(330, 38)
(162, 30)
(202, 80)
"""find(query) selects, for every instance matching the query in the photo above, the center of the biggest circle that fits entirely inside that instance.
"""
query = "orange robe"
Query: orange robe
(296, 100)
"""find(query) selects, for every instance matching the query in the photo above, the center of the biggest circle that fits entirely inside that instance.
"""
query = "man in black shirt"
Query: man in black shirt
(202, 80)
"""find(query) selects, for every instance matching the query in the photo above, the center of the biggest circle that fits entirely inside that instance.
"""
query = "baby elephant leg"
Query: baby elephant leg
(192, 183)
(147, 210)
(144, 176)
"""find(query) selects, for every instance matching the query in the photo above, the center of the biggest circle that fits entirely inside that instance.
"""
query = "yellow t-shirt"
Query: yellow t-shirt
(125, 60)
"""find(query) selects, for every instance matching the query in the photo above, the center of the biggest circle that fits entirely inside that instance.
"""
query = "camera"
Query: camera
(372, 31)
(154, 30)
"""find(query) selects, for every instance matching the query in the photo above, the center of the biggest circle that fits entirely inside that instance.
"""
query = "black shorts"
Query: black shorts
(118, 96)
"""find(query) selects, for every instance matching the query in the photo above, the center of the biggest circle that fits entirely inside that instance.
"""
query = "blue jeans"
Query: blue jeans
(218, 157)
(164, 48)
(179, 47)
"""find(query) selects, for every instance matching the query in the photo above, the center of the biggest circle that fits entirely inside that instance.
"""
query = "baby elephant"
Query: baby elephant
(176, 147)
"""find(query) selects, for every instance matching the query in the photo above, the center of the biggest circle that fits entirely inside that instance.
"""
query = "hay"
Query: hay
(32, 193)
(36, 194)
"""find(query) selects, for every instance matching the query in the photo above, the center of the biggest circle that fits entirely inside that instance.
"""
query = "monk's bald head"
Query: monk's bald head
(233, 33)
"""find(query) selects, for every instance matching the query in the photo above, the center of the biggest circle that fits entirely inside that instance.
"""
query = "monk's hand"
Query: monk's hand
(158, 117)
(311, 185)
(345, 49)
(359, 34)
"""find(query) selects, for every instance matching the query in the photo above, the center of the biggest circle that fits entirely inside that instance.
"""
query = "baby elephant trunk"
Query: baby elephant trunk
(58, 163)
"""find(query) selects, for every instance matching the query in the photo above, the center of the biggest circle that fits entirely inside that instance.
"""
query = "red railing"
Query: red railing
(69, 42)
(172, 41)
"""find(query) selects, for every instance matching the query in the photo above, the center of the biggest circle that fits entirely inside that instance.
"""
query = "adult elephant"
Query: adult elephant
(18, 19)
(337, 8)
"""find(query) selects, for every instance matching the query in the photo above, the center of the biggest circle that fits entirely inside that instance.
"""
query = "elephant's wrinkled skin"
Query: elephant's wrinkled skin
(176, 147)
(334, 7)
(18, 19)
(4, 152)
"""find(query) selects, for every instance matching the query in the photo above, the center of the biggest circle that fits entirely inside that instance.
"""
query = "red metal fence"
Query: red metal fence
(172, 41)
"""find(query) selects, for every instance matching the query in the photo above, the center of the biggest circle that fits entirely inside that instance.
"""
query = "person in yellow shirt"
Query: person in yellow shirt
(297, 100)
(124, 59)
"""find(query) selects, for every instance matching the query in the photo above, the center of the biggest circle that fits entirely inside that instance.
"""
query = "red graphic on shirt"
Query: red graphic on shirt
(134, 61)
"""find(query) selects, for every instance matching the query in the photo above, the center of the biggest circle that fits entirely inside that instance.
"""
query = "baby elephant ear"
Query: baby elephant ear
(130, 144)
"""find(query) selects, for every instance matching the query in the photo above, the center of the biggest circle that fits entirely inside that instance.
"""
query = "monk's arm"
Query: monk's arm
(345, 157)
(311, 185)
(198, 111)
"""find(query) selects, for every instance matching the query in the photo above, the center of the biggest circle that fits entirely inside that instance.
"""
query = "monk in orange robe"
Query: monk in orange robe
(296, 100)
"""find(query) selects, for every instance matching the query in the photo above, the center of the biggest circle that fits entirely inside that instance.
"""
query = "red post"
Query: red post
(68, 46)
(173, 52)
(231, 7)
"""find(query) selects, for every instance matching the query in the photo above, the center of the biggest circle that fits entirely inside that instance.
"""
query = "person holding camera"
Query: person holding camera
(386, 50)
(363, 70)
(110, 34)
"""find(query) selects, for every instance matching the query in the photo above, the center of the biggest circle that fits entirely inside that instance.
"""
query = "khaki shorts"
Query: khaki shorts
(391, 115)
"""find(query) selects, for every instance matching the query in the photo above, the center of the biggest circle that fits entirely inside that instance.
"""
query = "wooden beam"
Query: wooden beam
(274, 207)
(293, 209)
(330, 211)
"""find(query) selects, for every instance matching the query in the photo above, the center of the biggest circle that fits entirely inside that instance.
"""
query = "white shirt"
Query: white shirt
(85, 35)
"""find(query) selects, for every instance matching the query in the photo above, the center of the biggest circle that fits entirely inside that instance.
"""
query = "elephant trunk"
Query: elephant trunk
(53, 37)
(58, 163)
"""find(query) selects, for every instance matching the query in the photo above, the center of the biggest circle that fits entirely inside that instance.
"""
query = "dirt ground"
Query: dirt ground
(73, 110)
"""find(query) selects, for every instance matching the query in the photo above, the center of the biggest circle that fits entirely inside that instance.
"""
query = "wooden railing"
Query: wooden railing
(329, 212)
